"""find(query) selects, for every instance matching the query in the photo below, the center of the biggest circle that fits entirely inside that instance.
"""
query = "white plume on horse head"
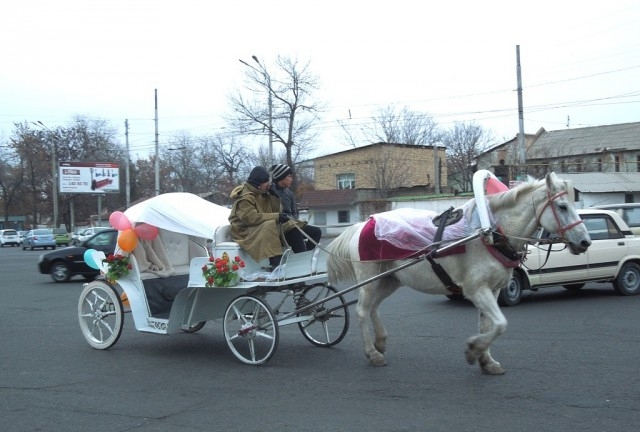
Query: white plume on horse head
(477, 270)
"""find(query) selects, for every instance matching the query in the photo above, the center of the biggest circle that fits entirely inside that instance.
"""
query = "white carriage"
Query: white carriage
(165, 290)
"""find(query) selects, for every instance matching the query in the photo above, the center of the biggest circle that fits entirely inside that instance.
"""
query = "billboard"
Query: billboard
(89, 177)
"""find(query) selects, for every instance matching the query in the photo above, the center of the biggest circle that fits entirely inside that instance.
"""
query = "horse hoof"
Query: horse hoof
(493, 369)
(378, 361)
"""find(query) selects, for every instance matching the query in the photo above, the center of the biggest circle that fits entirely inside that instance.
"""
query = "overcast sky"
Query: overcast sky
(454, 60)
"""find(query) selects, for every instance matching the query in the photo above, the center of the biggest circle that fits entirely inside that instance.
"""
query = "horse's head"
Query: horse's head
(556, 213)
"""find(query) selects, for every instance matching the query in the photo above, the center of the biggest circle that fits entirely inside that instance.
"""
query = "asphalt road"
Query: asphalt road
(571, 361)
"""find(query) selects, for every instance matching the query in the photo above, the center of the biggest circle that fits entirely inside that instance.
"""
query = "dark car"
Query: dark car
(62, 264)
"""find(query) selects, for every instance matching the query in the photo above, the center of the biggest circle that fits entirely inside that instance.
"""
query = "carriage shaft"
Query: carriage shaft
(414, 261)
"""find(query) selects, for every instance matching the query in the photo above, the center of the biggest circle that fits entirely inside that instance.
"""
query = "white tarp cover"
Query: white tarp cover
(180, 212)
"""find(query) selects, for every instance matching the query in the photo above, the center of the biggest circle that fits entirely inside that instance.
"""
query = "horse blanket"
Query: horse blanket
(404, 233)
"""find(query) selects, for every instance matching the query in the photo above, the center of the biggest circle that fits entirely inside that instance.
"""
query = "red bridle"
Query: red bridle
(550, 200)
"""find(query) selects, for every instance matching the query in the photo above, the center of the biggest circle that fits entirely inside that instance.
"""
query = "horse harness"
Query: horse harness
(500, 248)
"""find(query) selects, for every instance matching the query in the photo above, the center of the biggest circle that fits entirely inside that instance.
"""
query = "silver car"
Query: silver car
(39, 238)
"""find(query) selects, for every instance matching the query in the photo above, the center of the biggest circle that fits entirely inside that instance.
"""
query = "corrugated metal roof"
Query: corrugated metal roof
(604, 182)
(589, 140)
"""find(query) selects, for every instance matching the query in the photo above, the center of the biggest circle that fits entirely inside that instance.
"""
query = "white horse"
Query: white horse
(478, 272)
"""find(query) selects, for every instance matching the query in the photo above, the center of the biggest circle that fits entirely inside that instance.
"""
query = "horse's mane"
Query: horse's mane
(510, 197)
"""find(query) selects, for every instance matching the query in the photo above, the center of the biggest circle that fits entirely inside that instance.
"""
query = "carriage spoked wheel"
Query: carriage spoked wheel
(251, 330)
(101, 314)
(328, 322)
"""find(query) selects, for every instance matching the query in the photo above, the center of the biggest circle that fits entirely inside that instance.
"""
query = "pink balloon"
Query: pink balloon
(146, 231)
(119, 221)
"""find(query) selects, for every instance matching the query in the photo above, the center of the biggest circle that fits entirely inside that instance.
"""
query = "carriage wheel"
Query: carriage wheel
(328, 322)
(250, 330)
(101, 314)
(193, 328)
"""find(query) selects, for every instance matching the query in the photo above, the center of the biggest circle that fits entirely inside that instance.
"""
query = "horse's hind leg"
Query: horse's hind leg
(367, 310)
(491, 324)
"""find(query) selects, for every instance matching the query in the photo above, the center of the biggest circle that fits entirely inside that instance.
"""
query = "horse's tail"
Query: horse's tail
(340, 261)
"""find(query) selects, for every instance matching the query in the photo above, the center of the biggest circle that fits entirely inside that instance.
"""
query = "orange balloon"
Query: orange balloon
(127, 240)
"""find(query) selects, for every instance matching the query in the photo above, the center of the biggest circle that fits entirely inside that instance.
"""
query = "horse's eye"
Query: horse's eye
(563, 207)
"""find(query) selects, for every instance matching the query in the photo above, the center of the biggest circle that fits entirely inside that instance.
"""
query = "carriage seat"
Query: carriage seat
(172, 253)
(223, 235)
(180, 248)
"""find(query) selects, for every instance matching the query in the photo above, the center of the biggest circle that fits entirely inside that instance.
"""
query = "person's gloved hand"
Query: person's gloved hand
(282, 218)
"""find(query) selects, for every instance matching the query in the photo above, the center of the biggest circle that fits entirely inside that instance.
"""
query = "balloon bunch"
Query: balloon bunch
(127, 238)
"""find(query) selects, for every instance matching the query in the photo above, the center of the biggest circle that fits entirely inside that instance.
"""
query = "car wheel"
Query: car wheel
(511, 295)
(573, 287)
(60, 272)
(628, 280)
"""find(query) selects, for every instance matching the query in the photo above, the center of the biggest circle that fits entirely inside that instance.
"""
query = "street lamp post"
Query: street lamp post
(267, 78)
(54, 176)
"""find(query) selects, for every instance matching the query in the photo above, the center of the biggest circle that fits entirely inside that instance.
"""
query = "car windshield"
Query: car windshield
(9, 233)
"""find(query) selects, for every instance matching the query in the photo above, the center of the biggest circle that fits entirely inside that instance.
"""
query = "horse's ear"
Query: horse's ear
(551, 179)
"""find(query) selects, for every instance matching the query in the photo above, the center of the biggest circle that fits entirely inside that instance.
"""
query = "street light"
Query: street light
(54, 176)
(267, 78)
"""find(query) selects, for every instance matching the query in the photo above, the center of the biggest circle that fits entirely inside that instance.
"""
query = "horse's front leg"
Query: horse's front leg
(491, 324)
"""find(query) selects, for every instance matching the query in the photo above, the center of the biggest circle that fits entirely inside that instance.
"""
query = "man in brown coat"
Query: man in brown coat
(255, 218)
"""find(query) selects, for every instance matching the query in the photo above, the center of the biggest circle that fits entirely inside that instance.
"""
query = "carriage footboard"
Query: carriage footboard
(161, 292)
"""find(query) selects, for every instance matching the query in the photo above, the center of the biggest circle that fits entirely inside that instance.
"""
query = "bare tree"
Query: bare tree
(464, 142)
(395, 126)
(226, 164)
(388, 171)
(280, 106)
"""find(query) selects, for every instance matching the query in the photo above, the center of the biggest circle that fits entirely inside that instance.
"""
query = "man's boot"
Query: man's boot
(275, 261)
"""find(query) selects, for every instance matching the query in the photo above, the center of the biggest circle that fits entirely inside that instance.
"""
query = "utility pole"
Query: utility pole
(157, 167)
(126, 170)
(54, 176)
(521, 153)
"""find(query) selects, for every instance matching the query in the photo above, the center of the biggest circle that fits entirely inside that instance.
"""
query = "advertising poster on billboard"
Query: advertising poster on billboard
(89, 177)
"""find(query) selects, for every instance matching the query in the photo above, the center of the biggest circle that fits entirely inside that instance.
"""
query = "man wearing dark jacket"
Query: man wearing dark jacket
(282, 177)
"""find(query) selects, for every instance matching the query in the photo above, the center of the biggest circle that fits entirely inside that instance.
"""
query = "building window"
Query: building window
(343, 216)
(599, 164)
(617, 163)
(346, 181)
(638, 163)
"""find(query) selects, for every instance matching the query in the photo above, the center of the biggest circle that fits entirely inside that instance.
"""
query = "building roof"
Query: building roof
(589, 140)
(379, 144)
(328, 198)
(604, 182)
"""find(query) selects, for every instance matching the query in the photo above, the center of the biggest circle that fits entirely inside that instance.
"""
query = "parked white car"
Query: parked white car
(88, 233)
(613, 257)
(9, 237)
(630, 213)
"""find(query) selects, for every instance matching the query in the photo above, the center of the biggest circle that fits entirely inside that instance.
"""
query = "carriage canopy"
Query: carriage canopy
(180, 212)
